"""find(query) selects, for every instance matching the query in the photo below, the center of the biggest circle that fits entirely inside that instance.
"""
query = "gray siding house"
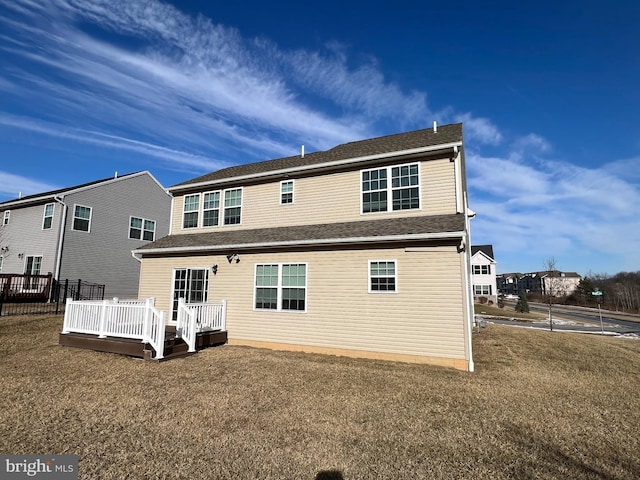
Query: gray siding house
(85, 232)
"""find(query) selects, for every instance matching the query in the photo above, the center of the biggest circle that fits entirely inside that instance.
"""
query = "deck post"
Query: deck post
(67, 314)
(224, 314)
(161, 332)
(103, 318)
(146, 328)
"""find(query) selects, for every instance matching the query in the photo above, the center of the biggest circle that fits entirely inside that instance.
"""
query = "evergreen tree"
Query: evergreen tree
(523, 305)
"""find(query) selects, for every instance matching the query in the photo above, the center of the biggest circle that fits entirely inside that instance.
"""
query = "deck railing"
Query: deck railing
(200, 317)
(137, 319)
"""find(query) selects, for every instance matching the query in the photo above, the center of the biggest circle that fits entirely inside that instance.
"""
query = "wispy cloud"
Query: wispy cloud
(479, 129)
(15, 185)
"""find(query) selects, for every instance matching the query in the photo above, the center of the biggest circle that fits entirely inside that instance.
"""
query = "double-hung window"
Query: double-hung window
(211, 209)
(7, 216)
(47, 219)
(382, 276)
(482, 289)
(286, 192)
(390, 188)
(81, 218)
(190, 211)
(233, 206)
(281, 286)
(142, 229)
(482, 269)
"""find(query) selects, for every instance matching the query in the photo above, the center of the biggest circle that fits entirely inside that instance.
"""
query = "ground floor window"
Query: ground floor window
(192, 284)
(281, 286)
(482, 289)
(382, 276)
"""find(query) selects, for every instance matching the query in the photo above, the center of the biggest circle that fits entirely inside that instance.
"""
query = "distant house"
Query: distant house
(553, 282)
(483, 273)
(86, 231)
(360, 250)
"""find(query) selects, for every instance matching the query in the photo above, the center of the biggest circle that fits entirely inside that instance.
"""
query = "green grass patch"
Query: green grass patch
(540, 405)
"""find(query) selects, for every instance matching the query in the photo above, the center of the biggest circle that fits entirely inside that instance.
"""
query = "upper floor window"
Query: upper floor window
(211, 209)
(81, 218)
(281, 287)
(382, 276)
(286, 192)
(48, 216)
(7, 215)
(233, 206)
(190, 211)
(403, 190)
(142, 229)
(481, 269)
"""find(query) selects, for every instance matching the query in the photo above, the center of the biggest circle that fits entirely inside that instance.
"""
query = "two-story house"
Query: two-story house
(483, 270)
(360, 250)
(86, 231)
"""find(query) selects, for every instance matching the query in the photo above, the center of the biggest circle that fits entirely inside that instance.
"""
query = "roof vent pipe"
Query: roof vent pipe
(302, 154)
(19, 194)
(435, 127)
(116, 174)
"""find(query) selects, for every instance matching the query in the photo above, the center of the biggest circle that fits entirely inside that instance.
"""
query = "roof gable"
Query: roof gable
(47, 196)
(487, 250)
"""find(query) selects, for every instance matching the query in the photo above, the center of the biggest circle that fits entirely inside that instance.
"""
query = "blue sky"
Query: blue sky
(548, 93)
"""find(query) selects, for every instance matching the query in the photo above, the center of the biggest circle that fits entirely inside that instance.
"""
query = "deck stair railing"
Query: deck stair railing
(136, 319)
(199, 317)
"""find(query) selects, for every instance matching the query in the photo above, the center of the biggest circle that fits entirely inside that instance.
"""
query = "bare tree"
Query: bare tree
(554, 285)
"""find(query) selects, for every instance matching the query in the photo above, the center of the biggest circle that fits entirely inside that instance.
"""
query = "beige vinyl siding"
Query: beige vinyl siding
(425, 317)
(329, 198)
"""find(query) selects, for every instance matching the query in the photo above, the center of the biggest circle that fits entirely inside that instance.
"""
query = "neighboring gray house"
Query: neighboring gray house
(86, 232)
(483, 273)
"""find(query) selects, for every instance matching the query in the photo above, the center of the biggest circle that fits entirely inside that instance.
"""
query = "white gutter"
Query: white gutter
(335, 163)
(63, 223)
(468, 214)
(289, 243)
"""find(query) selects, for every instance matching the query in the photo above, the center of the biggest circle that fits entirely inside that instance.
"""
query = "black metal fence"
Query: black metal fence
(41, 294)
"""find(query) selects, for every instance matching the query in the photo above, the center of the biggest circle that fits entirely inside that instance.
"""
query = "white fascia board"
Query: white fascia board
(295, 243)
(303, 168)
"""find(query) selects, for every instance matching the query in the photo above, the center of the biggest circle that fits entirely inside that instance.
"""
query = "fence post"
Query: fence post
(224, 315)
(146, 328)
(67, 315)
(78, 290)
(103, 318)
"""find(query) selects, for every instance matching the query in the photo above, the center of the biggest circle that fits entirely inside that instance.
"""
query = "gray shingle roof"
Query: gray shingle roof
(486, 249)
(50, 194)
(345, 232)
(374, 146)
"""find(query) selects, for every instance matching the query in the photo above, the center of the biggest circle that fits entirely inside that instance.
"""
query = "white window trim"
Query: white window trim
(198, 210)
(220, 209)
(7, 217)
(293, 190)
(390, 189)
(224, 207)
(142, 230)
(395, 276)
(480, 267)
(74, 218)
(26, 259)
(279, 288)
(1, 262)
(45, 216)
(475, 287)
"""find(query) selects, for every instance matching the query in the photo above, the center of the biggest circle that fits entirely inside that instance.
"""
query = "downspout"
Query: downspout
(63, 225)
(468, 215)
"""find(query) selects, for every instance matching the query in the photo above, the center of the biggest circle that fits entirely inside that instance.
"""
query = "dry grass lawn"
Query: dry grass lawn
(540, 405)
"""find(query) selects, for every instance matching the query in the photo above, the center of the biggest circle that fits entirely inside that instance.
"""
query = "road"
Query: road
(569, 318)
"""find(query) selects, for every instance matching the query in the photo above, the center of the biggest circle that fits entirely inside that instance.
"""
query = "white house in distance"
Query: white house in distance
(483, 270)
